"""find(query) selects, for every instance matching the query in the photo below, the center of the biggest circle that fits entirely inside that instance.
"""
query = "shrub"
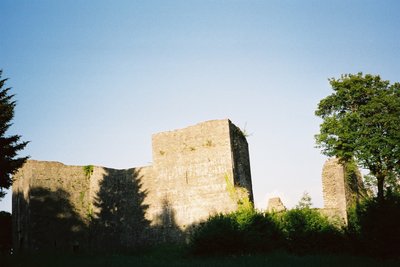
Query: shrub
(307, 230)
(301, 230)
(374, 225)
(244, 231)
(260, 231)
(218, 235)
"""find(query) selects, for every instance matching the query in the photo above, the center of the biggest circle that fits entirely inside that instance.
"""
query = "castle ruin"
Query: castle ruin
(342, 187)
(91, 207)
(197, 171)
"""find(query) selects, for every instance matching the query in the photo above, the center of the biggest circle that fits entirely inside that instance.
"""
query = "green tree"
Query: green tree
(9, 145)
(361, 121)
(305, 202)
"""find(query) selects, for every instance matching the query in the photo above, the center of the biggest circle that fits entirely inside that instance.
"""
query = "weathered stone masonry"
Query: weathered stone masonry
(59, 206)
(341, 188)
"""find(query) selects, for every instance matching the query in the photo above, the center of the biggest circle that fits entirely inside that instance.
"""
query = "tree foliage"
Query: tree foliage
(361, 121)
(305, 202)
(373, 226)
(243, 231)
(300, 230)
(9, 145)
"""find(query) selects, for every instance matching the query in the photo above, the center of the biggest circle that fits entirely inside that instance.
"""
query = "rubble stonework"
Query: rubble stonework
(342, 188)
(275, 205)
(74, 207)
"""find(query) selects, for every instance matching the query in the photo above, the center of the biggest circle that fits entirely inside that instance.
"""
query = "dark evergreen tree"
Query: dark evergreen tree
(9, 145)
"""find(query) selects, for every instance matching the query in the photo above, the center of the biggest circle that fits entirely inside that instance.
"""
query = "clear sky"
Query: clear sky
(94, 79)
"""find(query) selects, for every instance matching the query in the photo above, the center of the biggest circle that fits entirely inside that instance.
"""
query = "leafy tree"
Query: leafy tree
(305, 202)
(9, 145)
(361, 121)
(374, 228)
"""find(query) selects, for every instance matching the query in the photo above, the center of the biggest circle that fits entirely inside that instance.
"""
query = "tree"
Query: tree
(305, 202)
(6, 232)
(361, 121)
(9, 145)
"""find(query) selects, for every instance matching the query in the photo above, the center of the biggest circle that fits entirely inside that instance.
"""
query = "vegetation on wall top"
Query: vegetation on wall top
(88, 170)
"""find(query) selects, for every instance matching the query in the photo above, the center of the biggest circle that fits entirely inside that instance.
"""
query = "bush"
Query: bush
(307, 230)
(218, 235)
(374, 226)
(244, 231)
(301, 230)
(373, 229)
(260, 232)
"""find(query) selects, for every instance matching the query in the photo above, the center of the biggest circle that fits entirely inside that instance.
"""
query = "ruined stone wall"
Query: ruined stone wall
(191, 166)
(275, 205)
(333, 187)
(59, 206)
(42, 194)
(241, 160)
(342, 187)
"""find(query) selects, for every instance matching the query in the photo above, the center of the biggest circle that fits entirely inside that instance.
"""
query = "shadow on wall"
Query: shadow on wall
(116, 222)
(52, 224)
(164, 227)
(120, 222)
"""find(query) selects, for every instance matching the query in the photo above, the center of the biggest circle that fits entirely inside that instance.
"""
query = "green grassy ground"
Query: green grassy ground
(175, 256)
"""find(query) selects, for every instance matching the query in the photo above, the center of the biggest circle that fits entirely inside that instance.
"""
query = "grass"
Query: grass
(177, 256)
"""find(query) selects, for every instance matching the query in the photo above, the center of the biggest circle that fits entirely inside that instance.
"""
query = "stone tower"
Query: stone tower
(275, 205)
(342, 187)
(89, 207)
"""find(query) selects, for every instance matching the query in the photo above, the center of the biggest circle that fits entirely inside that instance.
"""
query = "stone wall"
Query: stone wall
(275, 205)
(342, 187)
(333, 188)
(59, 206)
(41, 204)
(241, 160)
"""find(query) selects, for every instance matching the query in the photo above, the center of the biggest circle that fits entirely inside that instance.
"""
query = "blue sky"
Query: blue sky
(94, 79)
